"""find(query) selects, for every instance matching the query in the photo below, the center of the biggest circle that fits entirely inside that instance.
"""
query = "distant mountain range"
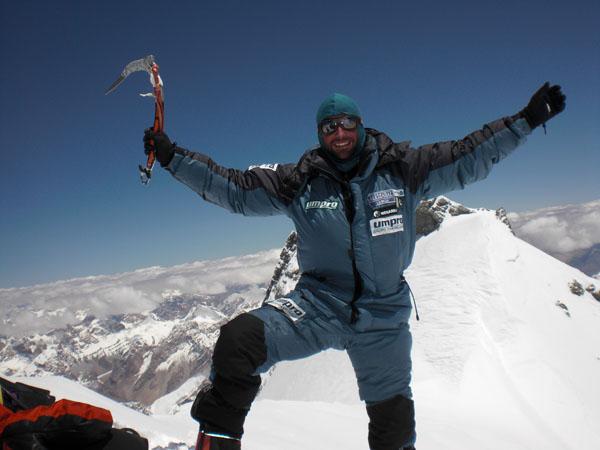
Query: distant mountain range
(570, 233)
(133, 337)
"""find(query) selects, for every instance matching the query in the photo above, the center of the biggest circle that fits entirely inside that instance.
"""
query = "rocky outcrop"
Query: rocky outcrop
(576, 288)
(286, 272)
(591, 288)
(501, 215)
(431, 213)
(564, 307)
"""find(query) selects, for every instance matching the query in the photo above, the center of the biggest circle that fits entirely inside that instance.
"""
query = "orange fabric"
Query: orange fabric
(60, 408)
(4, 412)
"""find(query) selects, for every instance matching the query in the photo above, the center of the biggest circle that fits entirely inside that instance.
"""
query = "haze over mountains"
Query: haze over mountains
(570, 233)
(506, 355)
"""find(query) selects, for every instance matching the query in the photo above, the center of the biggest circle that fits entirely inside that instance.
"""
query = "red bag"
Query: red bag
(30, 419)
(63, 425)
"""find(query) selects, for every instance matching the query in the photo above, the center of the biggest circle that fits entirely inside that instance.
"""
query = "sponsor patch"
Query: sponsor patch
(288, 307)
(384, 212)
(387, 225)
(322, 204)
(389, 197)
(264, 166)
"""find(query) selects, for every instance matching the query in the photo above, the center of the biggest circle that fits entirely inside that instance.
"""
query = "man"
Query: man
(353, 201)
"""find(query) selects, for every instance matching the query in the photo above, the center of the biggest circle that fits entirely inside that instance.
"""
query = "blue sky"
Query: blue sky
(242, 84)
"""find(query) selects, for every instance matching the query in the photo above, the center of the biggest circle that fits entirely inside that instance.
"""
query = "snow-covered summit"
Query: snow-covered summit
(505, 351)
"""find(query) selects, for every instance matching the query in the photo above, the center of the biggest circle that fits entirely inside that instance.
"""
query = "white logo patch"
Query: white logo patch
(387, 225)
(325, 204)
(264, 166)
(389, 197)
(288, 307)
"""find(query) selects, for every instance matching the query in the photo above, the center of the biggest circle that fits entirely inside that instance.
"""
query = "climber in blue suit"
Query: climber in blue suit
(353, 201)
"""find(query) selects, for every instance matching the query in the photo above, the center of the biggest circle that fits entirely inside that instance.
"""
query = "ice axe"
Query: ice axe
(147, 64)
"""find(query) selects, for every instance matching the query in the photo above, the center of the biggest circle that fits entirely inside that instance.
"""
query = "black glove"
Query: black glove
(547, 102)
(163, 146)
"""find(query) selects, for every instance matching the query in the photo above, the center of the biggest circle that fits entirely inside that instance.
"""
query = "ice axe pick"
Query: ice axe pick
(147, 64)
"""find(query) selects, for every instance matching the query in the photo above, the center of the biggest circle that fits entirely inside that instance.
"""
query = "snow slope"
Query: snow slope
(494, 338)
(497, 362)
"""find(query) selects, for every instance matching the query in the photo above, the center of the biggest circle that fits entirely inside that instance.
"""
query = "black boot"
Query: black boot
(392, 424)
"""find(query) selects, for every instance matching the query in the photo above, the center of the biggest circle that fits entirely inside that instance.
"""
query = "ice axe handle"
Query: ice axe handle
(158, 126)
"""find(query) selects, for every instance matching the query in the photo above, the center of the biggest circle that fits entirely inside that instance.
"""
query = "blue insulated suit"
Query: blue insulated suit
(355, 239)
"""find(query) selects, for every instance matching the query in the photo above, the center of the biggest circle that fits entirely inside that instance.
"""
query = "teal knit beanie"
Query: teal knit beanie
(335, 105)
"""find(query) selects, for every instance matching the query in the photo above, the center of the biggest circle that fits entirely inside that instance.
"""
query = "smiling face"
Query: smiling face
(341, 142)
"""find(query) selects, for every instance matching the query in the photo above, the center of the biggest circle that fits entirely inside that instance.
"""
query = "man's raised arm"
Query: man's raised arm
(442, 167)
(259, 191)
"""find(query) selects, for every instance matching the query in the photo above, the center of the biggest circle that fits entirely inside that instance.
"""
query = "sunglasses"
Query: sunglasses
(328, 126)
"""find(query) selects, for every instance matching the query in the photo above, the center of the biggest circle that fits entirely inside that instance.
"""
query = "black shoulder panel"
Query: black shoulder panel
(414, 165)
(278, 180)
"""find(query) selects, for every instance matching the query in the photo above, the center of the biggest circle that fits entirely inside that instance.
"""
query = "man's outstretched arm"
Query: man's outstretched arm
(442, 167)
(260, 191)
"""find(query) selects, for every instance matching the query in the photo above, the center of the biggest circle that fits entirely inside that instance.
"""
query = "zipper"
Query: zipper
(350, 212)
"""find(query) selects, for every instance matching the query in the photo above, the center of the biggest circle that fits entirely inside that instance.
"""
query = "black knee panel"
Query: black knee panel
(240, 350)
(392, 423)
(241, 347)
